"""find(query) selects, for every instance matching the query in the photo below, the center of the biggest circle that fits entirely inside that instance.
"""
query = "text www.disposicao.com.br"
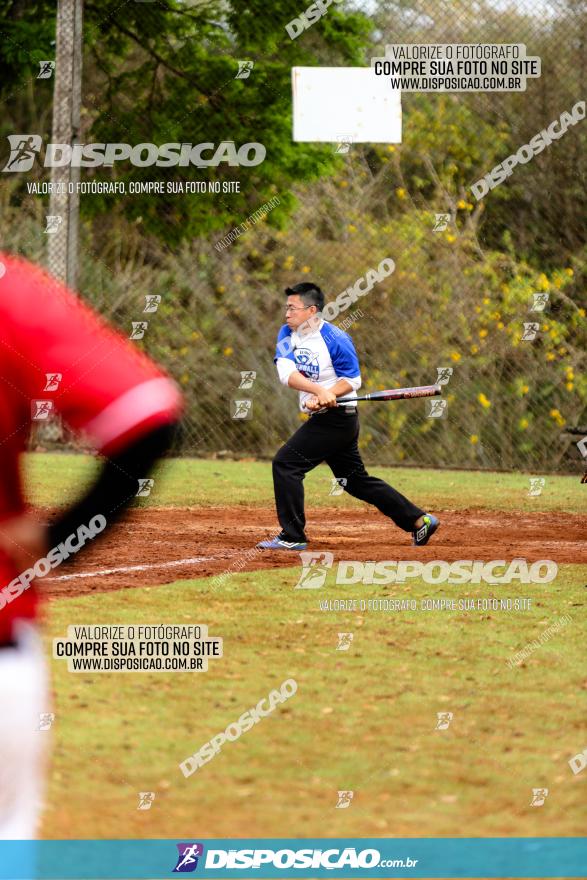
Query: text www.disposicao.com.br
(136, 664)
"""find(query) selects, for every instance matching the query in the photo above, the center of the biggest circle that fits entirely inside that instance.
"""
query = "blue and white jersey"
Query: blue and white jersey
(324, 355)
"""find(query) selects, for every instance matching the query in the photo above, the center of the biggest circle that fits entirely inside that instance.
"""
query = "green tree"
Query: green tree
(165, 72)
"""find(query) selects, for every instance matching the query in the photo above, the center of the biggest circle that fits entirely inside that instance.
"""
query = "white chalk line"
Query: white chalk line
(122, 569)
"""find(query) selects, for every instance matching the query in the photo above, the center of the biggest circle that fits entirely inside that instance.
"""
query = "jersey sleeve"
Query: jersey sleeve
(284, 358)
(342, 354)
(284, 347)
(285, 367)
(102, 385)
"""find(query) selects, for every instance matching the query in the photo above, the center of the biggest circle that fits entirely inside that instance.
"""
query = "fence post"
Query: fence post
(63, 243)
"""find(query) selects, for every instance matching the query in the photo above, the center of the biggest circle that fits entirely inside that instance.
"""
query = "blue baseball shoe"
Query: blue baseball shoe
(422, 535)
(278, 543)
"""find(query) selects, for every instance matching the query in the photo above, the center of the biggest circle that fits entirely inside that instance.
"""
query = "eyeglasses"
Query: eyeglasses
(297, 308)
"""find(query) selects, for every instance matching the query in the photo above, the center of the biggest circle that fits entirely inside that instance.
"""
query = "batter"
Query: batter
(320, 362)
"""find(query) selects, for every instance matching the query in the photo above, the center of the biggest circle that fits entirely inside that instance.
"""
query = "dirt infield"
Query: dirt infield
(162, 545)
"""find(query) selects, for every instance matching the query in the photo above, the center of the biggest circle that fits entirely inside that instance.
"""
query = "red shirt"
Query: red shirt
(101, 385)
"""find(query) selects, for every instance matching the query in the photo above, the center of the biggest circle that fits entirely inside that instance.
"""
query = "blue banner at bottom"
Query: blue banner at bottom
(530, 857)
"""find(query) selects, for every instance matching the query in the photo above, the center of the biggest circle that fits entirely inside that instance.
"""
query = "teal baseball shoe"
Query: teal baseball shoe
(279, 543)
(422, 535)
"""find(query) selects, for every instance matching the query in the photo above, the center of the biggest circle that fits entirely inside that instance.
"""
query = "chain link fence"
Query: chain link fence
(487, 296)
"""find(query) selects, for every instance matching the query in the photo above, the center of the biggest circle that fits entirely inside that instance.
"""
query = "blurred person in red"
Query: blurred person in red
(57, 357)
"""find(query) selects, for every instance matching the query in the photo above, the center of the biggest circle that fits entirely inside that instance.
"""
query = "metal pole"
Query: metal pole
(62, 243)
(73, 220)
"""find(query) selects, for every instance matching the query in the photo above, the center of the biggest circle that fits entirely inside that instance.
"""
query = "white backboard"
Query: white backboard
(332, 103)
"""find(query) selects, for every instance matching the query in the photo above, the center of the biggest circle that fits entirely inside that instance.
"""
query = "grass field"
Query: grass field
(54, 479)
(362, 720)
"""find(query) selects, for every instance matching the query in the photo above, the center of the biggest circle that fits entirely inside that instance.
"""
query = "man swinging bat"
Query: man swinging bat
(320, 361)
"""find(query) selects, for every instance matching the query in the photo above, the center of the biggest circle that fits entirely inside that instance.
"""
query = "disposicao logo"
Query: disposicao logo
(187, 860)
(25, 148)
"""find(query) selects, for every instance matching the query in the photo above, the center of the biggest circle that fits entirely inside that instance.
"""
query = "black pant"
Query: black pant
(332, 437)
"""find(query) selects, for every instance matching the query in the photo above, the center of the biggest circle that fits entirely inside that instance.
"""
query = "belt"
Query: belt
(345, 410)
(9, 644)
